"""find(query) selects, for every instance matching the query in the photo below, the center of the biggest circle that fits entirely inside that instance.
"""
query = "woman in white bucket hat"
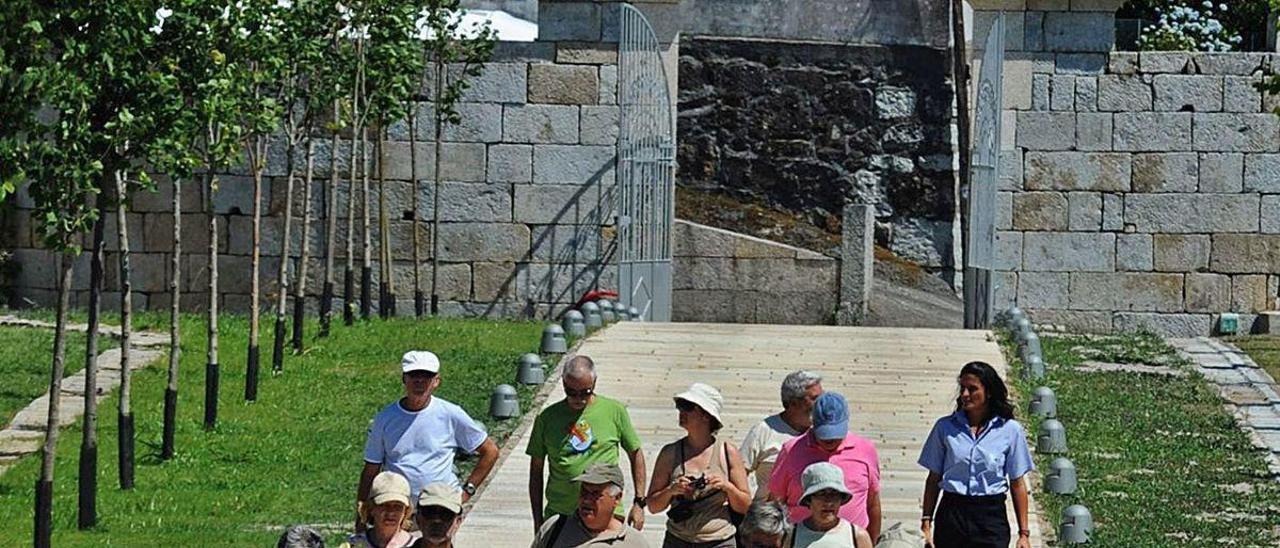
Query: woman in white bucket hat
(700, 482)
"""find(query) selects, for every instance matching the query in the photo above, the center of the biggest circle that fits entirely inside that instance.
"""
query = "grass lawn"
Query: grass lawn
(1160, 461)
(292, 457)
(26, 354)
(1263, 349)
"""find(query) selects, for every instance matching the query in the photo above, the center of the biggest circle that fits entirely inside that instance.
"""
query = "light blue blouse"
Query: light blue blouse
(976, 466)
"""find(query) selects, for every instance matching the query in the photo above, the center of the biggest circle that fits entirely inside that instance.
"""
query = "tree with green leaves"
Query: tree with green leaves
(393, 75)
(455, 55)
(302, 36)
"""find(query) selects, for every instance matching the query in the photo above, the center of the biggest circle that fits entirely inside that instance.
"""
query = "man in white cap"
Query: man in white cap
(417, 435)
(439, 511)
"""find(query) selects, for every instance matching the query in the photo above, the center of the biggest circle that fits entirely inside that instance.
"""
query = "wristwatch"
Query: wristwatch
(470, 489)
(639, 502)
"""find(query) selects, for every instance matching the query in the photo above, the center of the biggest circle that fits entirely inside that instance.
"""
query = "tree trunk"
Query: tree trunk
(175, 330)
(348, 282)
(211, 364)
(435, 195)
(255, 289)
(386, 288)
(300, 288)
(43, 536)
(282, 280)
(331, 232)
(366, 268)
(125, 418)
(88, 479)
(419, 304)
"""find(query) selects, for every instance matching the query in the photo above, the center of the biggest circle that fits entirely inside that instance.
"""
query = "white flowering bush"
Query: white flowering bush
(1189, 28)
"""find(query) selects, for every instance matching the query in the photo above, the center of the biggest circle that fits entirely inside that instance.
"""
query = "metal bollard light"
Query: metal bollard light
(574, 324)
(504, 404)
(620, 314)
(1011, 317)
(635, 314)
(1021, 327)
(1029, 346)
(1062, 478)
(1034, 368)
(607, 312)
(1077, 525)
(591, 313)
(553, 340)
(1044, 403)
(1052, 438)
(529, 370)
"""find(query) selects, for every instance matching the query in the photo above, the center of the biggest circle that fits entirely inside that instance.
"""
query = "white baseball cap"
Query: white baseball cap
(419, 360)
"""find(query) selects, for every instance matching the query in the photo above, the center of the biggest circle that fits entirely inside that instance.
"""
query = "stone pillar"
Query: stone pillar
(857, 259)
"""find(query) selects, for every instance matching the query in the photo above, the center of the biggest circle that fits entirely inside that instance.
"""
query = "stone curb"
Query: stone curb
(1247, 391)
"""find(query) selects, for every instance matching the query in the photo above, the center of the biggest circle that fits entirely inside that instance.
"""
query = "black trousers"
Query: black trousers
(971, 522)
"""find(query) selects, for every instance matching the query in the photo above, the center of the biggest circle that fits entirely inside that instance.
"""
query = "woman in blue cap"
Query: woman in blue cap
(975, 457)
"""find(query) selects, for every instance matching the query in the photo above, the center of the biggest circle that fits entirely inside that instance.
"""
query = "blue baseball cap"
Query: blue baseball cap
(830, 416)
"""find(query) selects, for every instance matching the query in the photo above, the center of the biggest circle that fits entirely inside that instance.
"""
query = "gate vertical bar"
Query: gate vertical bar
(985, 175)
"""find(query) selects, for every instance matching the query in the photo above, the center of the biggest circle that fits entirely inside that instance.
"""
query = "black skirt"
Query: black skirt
(971, 522)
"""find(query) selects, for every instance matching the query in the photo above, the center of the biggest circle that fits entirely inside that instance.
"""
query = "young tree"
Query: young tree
(198, 44)
(456, 55)
(331, 85)
(41, 65)
(356, 30)
(302, 38)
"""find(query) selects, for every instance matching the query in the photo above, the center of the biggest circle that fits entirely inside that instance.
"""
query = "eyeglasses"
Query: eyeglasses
(579, 394)
(685, 405)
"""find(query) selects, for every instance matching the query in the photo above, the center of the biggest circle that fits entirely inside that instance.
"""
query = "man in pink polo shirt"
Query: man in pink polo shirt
(829, 440)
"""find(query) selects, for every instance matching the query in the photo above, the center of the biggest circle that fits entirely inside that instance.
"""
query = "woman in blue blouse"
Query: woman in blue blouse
(975, 457)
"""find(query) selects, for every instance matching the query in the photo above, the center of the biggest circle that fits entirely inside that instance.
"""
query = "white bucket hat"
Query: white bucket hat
(704, 396)
(821, 476)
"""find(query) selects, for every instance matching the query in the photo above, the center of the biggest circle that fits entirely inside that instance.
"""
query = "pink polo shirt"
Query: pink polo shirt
(856, 457)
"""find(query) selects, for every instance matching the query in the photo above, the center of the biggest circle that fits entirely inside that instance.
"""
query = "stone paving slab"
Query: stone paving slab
(25, 433)
(1249, 392)
(898, 381)
(138, 338)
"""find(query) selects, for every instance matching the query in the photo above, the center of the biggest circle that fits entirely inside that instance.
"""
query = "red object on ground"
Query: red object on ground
(592, 296)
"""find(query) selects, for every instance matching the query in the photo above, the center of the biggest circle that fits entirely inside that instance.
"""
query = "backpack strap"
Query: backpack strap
(556, 528)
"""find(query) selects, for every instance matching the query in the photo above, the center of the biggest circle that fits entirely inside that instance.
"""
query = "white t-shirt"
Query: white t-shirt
(420, 445)
(760, 449)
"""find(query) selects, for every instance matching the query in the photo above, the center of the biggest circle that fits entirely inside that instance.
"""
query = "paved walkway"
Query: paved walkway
(25, 433)
(1249, 393)
(898, 381)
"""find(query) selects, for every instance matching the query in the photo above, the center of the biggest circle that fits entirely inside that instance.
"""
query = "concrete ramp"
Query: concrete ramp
(898, 381)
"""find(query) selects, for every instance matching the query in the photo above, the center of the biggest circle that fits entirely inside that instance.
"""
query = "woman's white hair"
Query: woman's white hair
(765, 517)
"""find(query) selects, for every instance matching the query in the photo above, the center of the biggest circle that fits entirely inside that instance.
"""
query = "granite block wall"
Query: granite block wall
(1139, 190)
(525, 199)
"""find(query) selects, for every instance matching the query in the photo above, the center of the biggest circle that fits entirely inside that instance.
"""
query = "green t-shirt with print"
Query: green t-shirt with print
(571, 441)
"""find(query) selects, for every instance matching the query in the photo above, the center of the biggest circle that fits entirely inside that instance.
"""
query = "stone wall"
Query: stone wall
(809, 126)
(525, 202)
(1139, 191)
(722, 276)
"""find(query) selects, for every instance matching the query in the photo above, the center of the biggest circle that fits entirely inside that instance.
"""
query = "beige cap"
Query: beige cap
(443, 495)
(388, 487)
(704, 396)
(419, 360)
(601, 473)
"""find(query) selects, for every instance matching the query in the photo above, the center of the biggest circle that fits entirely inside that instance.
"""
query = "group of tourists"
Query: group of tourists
(799, 479)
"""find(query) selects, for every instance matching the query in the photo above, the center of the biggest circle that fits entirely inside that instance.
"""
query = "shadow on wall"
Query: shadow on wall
(568, 256)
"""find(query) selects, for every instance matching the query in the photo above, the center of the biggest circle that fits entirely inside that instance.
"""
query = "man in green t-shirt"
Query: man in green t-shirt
(572, 434)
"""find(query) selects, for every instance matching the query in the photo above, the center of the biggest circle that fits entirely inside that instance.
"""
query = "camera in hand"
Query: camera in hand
(698, 483)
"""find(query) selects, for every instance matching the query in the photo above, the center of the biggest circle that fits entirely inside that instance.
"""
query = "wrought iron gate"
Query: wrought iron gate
(984, 170)
(646, 170)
